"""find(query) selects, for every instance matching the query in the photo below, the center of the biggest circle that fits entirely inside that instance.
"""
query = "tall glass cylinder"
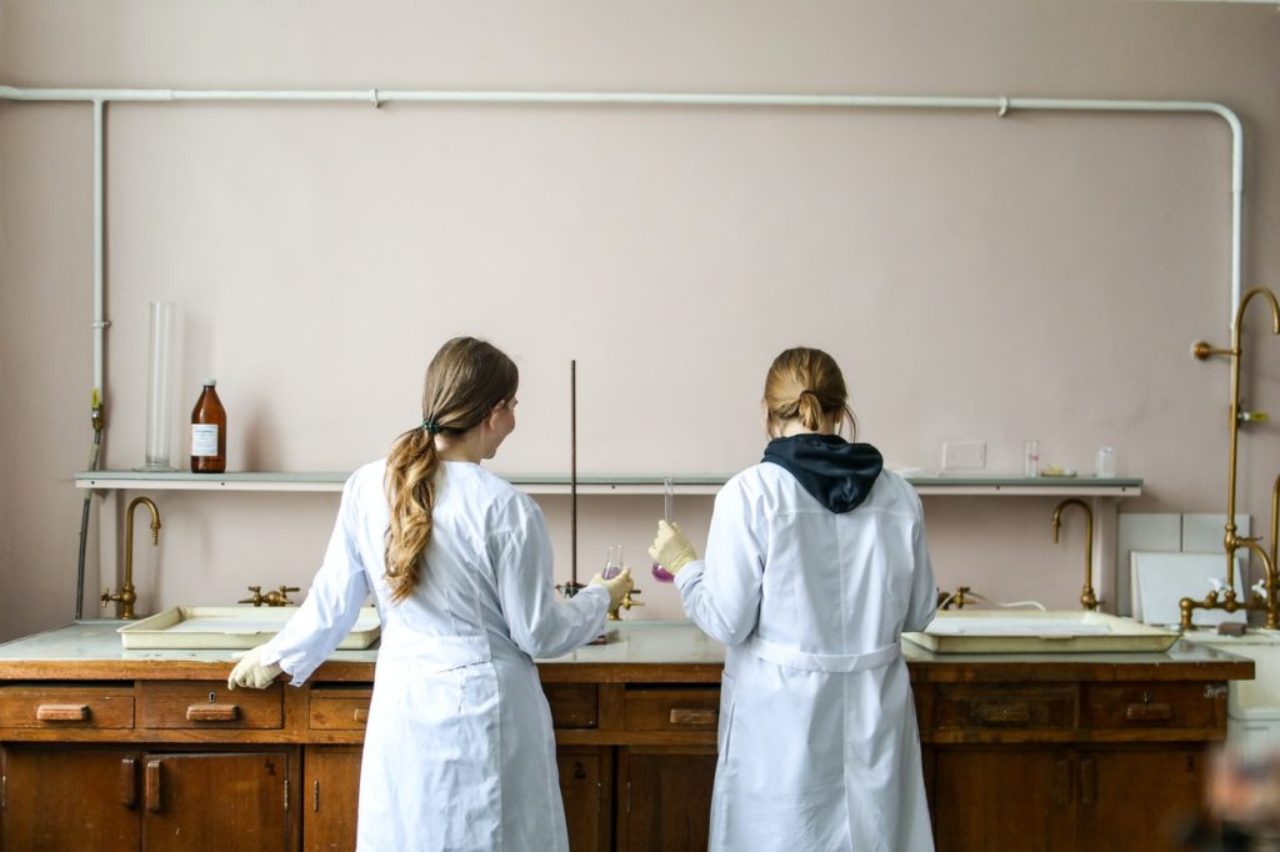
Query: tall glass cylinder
(160, 384)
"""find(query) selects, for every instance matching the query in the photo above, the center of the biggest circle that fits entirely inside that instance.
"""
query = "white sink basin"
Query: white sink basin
(985, 631)
(1261, 646)
(230, 627)
(1253, 706)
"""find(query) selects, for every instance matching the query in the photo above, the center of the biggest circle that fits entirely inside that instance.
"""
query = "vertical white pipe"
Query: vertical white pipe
(99, 247)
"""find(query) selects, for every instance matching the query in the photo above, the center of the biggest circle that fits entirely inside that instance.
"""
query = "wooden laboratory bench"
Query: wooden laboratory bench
(110, 749)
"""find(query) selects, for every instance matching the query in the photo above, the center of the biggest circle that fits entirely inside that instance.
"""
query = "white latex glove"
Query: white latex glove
(616, 587)
(671, 549)
(252, 673)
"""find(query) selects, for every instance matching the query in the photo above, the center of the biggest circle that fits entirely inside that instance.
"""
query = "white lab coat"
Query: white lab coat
(818, 743)
(458, 752)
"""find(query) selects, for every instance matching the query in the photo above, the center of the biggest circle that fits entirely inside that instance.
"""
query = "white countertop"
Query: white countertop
(641, 642)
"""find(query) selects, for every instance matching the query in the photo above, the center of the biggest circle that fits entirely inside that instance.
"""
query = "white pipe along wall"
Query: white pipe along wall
(375, 97)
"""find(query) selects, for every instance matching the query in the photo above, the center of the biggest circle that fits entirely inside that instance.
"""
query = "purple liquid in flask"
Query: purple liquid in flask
(612, 562)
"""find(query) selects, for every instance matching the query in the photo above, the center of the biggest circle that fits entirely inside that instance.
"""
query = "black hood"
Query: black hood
(838, 474)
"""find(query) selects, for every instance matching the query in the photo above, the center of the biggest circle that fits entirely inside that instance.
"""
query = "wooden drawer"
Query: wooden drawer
(66, 707)
(1154, 705)
(208, 704)
(573, 705)
(992, 707)
(339, 710)
(672, 709)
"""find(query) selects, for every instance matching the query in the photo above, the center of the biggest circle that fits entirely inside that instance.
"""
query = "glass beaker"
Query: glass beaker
(1105, 463)
(159, 384)
(1031, 459)
(612, 561)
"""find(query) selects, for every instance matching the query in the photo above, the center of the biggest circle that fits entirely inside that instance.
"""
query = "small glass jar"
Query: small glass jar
(1031, 459)
(1104, 463)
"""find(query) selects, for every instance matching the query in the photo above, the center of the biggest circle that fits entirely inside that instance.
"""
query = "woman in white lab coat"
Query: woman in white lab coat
(458, 752)
(815, 564)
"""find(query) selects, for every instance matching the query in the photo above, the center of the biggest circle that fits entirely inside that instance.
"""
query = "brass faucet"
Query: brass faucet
(1088, 600)
(277, 597)
(1231, 542)
(127, 595)
(956, 599)
(626, 603)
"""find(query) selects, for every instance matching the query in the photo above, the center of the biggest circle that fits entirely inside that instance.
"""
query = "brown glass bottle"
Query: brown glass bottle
(209, 432)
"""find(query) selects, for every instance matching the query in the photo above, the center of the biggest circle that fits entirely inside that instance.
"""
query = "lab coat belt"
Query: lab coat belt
(797, 659)
(434, 653)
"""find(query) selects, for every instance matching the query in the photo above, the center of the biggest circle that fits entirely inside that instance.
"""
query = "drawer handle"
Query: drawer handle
(361, 715)
(1148, 712)
(693, 716)
(1004, 714)
(62, 712)
(213, 712)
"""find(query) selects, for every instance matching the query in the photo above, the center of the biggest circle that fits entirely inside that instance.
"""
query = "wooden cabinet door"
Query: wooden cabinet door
(665, 798)
(1159, 788)
(586, 774)
(331, 796)
(217, 802)
(78, 800)
(1003, 798)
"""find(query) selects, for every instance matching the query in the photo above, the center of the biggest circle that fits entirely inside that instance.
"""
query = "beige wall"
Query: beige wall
(980, 278)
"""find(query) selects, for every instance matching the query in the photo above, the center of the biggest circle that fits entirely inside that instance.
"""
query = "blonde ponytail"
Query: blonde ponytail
(411, 491)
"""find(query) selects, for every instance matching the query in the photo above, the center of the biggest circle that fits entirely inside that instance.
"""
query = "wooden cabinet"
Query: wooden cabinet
(332, 795)
(1159, 788)
(1057, 754)
(84, 799)
(217, 802)
(665, 798)
(586, 785)
(74, 799)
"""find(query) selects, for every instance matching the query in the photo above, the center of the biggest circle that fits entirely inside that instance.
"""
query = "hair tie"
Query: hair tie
(432, 427)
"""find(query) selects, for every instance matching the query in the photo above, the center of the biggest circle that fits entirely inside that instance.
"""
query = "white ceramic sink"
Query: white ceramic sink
(1261, 646)
(1253, 706)
(985, 631)
(230, 627)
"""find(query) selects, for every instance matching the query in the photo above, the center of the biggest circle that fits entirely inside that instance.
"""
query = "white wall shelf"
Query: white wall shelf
(1043, 486)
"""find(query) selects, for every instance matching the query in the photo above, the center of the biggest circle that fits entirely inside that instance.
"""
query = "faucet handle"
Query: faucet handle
(256, 600)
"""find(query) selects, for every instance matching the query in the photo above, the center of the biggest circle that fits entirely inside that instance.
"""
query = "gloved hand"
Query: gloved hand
(251, 672)
(671, 549)
(617, 587)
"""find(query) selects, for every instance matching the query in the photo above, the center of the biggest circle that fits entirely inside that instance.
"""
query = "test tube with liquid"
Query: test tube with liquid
(662, 575)
(612, 561)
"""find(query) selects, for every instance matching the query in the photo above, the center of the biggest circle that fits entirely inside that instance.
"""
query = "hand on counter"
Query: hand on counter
(671, 549)
(617, 587)
(252, 673)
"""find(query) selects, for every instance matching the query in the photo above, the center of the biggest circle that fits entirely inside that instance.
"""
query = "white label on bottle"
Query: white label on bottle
(204, 439)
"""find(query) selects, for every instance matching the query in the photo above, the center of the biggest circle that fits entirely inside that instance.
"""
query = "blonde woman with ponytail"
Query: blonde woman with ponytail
(458, 752)
(815, 564)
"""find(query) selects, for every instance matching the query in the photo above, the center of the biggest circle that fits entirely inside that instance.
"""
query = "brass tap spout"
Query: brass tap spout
(128, 595)
(626, 603)
(1088, 600)
(1231, 542)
